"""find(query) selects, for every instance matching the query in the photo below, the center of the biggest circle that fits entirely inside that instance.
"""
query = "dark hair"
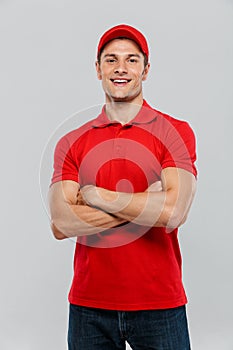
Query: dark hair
(122, 37)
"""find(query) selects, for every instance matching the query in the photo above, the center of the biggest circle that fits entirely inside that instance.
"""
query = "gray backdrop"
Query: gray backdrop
(47, 73)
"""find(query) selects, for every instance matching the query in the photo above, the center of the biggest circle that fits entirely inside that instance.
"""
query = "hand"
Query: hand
(88, 194)
(155, 187)
(80, 200)
(95, 196)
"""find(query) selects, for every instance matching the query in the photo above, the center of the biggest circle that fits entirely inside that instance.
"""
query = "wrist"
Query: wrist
(104, 198)
(97, 196)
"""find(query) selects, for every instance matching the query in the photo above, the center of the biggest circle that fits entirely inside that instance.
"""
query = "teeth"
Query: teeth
(120, 81)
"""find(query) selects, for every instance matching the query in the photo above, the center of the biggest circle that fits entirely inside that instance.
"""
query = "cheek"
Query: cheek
(104, 74)
(105, 84)
(138, 78)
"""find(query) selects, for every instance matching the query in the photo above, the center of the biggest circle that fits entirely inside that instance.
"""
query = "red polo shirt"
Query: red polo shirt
(129, 267)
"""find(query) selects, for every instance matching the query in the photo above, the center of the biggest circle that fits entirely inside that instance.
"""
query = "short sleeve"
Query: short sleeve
(180, 148)
(65, 167)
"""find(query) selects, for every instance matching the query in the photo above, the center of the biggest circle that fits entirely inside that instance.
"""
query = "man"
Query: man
(122, 184)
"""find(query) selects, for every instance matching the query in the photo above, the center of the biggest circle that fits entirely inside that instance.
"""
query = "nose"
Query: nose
(120, 67)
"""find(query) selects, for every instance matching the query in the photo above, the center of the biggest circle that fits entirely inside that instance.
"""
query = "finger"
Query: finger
(155, 187)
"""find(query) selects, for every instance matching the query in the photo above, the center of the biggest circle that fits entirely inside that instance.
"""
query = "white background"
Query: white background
(46, 74)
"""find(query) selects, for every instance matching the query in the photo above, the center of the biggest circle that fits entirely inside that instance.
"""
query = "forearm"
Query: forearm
(80, 220)
(144, 208)
(167, 206)
(72, 217)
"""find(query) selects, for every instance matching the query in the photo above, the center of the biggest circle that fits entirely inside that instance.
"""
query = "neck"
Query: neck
(122, 112)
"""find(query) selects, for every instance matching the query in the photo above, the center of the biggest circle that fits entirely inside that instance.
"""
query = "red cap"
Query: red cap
(126, 31)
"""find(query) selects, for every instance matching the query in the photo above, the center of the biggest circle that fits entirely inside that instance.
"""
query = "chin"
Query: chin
(121, 98)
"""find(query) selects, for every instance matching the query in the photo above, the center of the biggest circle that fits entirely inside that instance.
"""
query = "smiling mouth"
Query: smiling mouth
(120, 82)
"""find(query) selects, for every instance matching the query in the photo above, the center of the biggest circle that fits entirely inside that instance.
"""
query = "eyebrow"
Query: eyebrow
(115, 55)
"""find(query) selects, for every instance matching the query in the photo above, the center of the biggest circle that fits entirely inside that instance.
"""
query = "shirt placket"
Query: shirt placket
(119, 148)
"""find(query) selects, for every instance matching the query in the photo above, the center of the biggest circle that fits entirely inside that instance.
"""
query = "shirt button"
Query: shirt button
(118, 149)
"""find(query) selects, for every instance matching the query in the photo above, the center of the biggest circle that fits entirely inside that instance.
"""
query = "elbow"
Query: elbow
(62, 228)
(172, 218)
(58, 231)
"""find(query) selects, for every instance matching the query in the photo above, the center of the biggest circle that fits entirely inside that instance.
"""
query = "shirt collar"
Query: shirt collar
(145, 115)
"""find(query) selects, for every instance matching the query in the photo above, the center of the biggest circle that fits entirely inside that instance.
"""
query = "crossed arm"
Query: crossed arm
(79, 211)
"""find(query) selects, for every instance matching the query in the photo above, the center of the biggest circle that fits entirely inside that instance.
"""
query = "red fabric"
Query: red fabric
(126, 31)
(145, 273)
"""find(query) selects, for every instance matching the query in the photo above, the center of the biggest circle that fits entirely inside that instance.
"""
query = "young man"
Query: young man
(123, 183)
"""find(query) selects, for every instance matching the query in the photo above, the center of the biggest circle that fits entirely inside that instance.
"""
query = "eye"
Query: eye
(133, 60)
(111, 60)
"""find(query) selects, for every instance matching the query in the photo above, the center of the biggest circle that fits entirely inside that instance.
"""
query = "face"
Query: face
(122, 71)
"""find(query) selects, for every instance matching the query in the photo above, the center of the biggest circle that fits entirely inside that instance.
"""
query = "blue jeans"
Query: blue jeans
(99, 329)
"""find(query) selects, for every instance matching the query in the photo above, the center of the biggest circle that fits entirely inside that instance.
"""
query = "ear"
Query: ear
(98, 70)
(145, 72)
